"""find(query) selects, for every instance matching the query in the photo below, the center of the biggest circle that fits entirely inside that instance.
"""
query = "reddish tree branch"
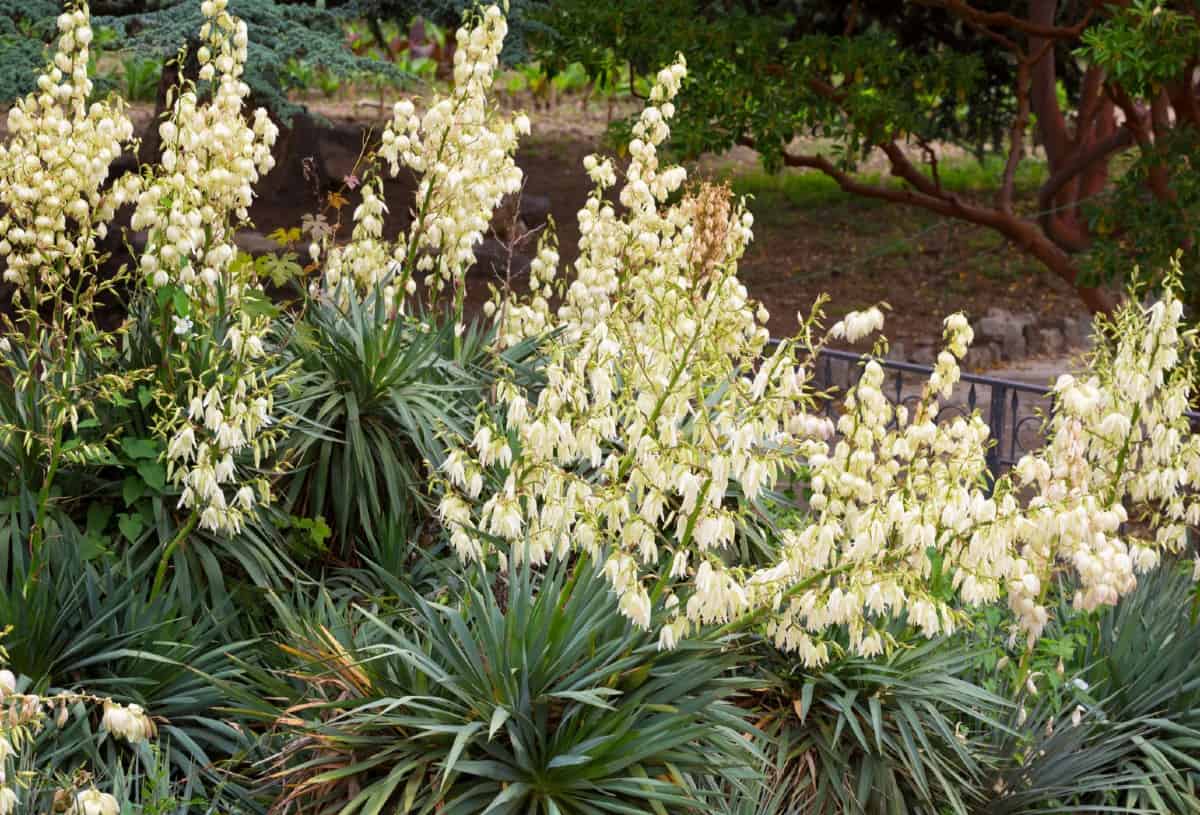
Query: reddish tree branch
(1091, 95)
(905, 169)
(852, 18)
(1043, 94)
(1082, 161)
(1016, 139)
(1004, 41)
(1104, 125)
(1059, 229)
(1184, 95)
(931, 159)
(1001, 19)
(1025, 235)
(1160, 115)
(1142, 125)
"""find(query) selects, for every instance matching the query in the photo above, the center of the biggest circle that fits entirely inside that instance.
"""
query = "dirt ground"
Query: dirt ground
(858, 252)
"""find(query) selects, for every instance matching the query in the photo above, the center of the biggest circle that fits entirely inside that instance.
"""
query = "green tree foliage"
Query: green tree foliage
(25, 28)
(1086, 82)
(522, 21)
(308, 31)
(281, 32)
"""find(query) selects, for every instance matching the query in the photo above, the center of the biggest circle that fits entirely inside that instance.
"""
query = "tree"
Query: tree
(25, 30)
(158, 28)
(1090, 79)
(450, 13)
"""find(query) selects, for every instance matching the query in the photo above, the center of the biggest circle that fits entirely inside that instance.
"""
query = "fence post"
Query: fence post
(996, 426)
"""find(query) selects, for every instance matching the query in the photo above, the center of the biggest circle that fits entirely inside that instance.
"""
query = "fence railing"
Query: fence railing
(1015, 412)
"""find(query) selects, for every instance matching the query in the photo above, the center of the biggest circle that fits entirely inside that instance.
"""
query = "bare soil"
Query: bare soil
(858, 252)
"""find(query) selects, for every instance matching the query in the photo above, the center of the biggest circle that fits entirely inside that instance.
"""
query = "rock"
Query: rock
(923, 355)
(491, 257)
(1046, 341)
(990, 327)
(981, 356)
(535, 210)
(1007, 332)
(1077, 331)
(256, 243)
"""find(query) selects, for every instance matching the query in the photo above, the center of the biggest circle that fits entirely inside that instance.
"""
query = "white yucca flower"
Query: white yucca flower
(128, 722)
(94, 802)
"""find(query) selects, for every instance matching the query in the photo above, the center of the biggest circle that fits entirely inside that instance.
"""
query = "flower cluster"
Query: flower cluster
(94, 802)
(632, 446)
(208, 437)
(670, 439)
(608, 244)
(191, 207)
(211, 159)
(53, 170)
(127, 722)
(54, 206)
(668, 432)
(898, 491)
(462, 148)
(1114, 486)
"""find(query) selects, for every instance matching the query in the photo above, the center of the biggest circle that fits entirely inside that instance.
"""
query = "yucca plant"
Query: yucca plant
(91, 628)
(782, 790)
(900, 734)
(108, 491)
(147, 782)
(538, 698)
(402, 557)
(1126, 734)
(376, 396)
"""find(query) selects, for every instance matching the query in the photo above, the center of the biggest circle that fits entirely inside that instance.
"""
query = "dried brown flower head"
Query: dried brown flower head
(711, 207)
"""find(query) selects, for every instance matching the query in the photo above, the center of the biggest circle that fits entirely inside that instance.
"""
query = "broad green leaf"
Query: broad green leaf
(132, 489)
(131, 526)
(140, 448)
(153, 473)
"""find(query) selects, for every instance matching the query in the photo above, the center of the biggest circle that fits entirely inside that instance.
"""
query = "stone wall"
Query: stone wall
(1003, 336)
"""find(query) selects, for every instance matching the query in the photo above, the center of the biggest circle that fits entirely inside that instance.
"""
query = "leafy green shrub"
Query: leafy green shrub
(109, 489)
(533, 697)
(141, 77)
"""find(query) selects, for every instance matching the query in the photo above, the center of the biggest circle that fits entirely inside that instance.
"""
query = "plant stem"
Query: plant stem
(161, 574)
(747, 620)
(36, 533)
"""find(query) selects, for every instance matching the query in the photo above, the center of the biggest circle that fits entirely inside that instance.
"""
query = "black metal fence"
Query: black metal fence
(1014, 411)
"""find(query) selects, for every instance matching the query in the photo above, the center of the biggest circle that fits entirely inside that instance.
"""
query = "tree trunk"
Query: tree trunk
(300, 172)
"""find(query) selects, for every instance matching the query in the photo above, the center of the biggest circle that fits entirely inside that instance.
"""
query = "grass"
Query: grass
(837, 241)
(808, 189)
